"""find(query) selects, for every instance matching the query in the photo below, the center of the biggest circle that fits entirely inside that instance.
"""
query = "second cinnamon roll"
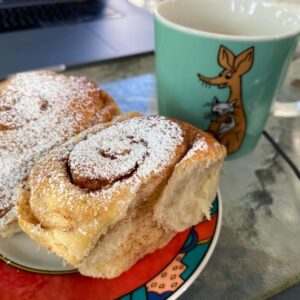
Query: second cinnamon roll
(38, 111)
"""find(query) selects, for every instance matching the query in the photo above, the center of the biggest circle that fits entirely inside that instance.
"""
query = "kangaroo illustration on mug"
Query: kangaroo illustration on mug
(229, 122)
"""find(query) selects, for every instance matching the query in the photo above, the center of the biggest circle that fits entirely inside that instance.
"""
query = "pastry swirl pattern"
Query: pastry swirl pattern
(141, 146)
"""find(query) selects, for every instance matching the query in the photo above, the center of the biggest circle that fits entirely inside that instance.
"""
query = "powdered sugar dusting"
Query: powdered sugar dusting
(198, 145)
(139, 145)
(37, 111)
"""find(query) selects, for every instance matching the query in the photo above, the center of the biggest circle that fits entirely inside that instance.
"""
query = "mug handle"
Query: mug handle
(289, 107)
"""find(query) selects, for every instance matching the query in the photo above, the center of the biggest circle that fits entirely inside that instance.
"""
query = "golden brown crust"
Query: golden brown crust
(39, 110)
(142, 160)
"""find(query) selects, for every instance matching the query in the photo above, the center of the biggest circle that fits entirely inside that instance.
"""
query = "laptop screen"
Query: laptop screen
(17, 3)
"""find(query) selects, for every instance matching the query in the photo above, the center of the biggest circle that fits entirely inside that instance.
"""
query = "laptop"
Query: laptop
(62, 33)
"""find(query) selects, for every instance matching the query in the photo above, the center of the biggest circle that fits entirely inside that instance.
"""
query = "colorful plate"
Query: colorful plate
(28, 272)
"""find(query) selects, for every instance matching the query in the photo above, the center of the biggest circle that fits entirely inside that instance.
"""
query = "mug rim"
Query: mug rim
(209, 34)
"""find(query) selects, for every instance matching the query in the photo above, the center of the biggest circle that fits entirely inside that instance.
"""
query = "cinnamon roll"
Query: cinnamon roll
(39, 110)
(119, 191)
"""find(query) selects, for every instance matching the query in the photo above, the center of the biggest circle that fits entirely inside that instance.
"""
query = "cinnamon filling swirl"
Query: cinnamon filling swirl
(140, 146)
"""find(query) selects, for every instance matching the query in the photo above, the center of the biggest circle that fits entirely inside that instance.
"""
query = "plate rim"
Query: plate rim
(207, 256)
(186, 284)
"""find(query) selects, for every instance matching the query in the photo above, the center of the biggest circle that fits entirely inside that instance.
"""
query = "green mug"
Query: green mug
(219, 64)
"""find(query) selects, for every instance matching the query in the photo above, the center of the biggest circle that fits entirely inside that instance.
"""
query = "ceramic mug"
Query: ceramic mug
(219, 64)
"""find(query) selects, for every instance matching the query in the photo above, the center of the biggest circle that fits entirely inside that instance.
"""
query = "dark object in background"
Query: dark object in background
(45, 33)
(53, 14)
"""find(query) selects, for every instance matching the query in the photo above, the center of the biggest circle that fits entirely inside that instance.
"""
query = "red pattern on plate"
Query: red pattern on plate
(206, 229)
(20, 285)
(16, 284)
